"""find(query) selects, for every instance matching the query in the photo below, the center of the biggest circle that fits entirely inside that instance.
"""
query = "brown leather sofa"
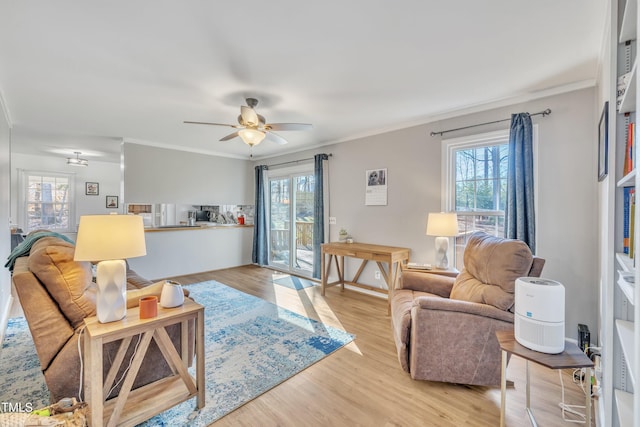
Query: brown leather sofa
(56, 294)
(444, 327)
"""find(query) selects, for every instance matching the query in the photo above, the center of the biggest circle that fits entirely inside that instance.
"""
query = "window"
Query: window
(47, 201)
(475, 183)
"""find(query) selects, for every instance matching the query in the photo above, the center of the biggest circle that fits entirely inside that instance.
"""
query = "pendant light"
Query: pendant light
(77, 161)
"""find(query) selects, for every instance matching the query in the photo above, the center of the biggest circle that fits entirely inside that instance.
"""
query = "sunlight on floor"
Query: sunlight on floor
(309, 303)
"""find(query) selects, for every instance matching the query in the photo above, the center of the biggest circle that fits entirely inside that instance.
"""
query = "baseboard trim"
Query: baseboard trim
(4, 318)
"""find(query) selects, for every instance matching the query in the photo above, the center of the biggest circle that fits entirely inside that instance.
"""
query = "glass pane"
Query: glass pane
(484, 195)
(465, 165)
(51, 216)
(280, 222)
(304, 222)
(465, 196)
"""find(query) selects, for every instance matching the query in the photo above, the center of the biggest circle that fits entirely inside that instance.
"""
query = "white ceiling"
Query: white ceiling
(83, 75)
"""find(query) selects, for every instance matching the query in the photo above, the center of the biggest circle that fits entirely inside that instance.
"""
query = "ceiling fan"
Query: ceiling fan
(253, 127)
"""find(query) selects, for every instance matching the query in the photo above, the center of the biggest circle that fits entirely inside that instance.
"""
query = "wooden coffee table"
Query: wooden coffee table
(131, 407)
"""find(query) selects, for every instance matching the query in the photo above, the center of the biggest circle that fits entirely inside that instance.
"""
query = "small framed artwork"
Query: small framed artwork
(91, 188)
(603, 143)
(112, 202)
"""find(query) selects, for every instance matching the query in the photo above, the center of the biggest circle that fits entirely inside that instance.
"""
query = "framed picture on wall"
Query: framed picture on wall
(91, 188)
(112, 202)
(603, 143)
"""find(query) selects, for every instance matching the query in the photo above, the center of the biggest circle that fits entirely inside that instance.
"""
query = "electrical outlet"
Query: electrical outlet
(377, 274)
(332, 220)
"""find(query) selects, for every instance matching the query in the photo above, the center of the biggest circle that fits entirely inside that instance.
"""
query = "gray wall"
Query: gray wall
(5, 242)
(567, 190)
(159, 175)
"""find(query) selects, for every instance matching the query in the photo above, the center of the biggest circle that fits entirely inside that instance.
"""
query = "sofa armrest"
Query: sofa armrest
(436, 284)
(445, 304)
(133, 296)
(455, 341)
(134, 280)
(49, 328)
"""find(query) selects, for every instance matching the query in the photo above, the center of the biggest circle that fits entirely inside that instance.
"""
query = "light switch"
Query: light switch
(332, 220)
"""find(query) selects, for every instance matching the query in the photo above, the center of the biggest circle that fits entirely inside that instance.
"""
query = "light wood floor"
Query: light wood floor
(362, 384)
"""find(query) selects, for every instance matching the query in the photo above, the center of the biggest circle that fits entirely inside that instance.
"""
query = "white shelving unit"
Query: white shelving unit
(621, 352)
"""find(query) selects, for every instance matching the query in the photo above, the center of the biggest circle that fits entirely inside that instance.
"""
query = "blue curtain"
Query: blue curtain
(260, 254)
(519, 209)
(318, 212)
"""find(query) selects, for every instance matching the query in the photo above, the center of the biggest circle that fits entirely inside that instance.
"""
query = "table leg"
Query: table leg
(342, 272)
(503, 387)
(324, 271)
(587, 403)
(529, 412)
(94, 380)
(200, 359)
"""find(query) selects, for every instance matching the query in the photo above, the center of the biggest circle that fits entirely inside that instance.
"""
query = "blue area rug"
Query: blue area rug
(294, 282)
(251, 346)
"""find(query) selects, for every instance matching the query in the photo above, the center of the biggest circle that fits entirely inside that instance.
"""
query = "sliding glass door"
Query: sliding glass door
(291, 221)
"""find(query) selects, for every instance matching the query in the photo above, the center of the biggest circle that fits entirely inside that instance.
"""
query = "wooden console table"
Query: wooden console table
(131, 407)
(571, 358)
(390, 255)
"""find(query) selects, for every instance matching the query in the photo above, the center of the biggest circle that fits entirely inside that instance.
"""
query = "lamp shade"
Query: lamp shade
(110, 237)
(443, 224)
(251, 137)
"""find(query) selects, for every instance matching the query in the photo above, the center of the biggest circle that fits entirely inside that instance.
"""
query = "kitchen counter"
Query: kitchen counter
(194, 227)
(186, 250)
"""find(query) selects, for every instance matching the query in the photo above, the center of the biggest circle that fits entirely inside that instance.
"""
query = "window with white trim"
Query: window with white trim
(475, 183)
(47, 201)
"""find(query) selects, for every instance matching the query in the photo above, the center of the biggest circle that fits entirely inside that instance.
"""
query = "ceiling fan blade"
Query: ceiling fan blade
(212, 124)
(249, 116)
(230, 136)
(277, 138)
(288, 126)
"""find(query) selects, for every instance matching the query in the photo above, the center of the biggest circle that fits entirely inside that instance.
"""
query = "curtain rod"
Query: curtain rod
(295, 161)
(442, 132)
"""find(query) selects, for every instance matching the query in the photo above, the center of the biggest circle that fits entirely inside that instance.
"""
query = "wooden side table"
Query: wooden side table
(571, 358)
(380, 254)
(131, 407)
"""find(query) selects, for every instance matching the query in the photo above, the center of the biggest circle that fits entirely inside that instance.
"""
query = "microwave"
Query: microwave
(203, 216)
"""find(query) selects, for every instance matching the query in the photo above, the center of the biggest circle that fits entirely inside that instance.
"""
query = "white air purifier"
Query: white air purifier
(539, 314)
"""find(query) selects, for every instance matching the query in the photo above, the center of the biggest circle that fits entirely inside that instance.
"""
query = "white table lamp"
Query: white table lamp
(110, 239)
(442, 225)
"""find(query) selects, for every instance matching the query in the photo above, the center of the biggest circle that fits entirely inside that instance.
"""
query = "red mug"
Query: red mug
(241, 220)
(148, 307)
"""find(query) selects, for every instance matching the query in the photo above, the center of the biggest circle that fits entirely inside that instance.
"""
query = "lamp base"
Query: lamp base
(111, 300)
(442, 246)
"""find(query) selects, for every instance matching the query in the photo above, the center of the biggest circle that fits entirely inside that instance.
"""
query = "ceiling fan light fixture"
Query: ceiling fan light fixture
(77, 161)
(251, 137)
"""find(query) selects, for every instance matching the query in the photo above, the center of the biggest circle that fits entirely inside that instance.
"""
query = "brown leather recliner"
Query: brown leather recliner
(444, 327)
(56, 294)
